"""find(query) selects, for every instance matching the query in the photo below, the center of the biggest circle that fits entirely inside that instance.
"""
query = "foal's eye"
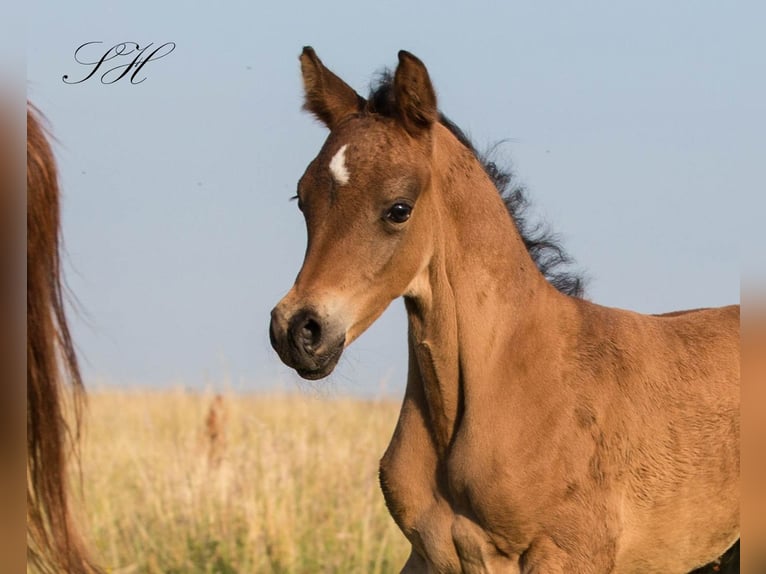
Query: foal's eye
(399, 212)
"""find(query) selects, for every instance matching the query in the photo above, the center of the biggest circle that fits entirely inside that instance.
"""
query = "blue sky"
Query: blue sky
(637, 130)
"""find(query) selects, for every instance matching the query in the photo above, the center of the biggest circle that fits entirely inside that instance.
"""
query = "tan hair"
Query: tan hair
(53, 544)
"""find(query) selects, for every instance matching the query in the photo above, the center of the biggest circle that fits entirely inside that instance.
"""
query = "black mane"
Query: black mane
(543, 245)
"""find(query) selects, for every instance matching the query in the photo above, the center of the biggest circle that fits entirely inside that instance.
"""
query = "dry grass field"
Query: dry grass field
(178, 482)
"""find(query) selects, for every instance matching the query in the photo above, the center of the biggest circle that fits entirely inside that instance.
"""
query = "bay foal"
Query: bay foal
(539, 433)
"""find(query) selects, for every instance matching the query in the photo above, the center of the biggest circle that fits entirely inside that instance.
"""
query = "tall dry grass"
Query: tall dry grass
(177, 482)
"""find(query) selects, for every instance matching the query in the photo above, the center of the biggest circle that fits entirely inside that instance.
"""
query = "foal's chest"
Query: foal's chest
(489, 491)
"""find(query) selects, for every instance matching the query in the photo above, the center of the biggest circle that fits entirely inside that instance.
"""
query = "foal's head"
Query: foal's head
(365, 200)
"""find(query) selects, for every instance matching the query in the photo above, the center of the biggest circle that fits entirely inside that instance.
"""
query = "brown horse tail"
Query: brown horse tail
(53, 543)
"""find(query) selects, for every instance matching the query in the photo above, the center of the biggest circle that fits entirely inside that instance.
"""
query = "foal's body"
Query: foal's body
(539, 432)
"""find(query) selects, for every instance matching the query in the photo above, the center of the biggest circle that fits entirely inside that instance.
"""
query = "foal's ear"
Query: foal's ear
(414, 94)
(328, 97)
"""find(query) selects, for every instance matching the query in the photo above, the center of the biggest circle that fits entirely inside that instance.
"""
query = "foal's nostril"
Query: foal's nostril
(311, 333)
(305, 333)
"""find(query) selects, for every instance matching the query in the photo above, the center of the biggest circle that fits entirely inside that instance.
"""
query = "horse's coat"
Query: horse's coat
(539, 433)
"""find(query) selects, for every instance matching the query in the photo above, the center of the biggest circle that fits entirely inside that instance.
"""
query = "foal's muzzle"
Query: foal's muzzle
(306, 342)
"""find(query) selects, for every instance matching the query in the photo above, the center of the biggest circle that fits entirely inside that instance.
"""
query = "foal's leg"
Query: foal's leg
(408, 478)
(544, 556)
(478, 554)
(415, 564)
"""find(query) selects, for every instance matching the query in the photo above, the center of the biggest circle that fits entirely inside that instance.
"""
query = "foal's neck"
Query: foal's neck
(480, 290)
